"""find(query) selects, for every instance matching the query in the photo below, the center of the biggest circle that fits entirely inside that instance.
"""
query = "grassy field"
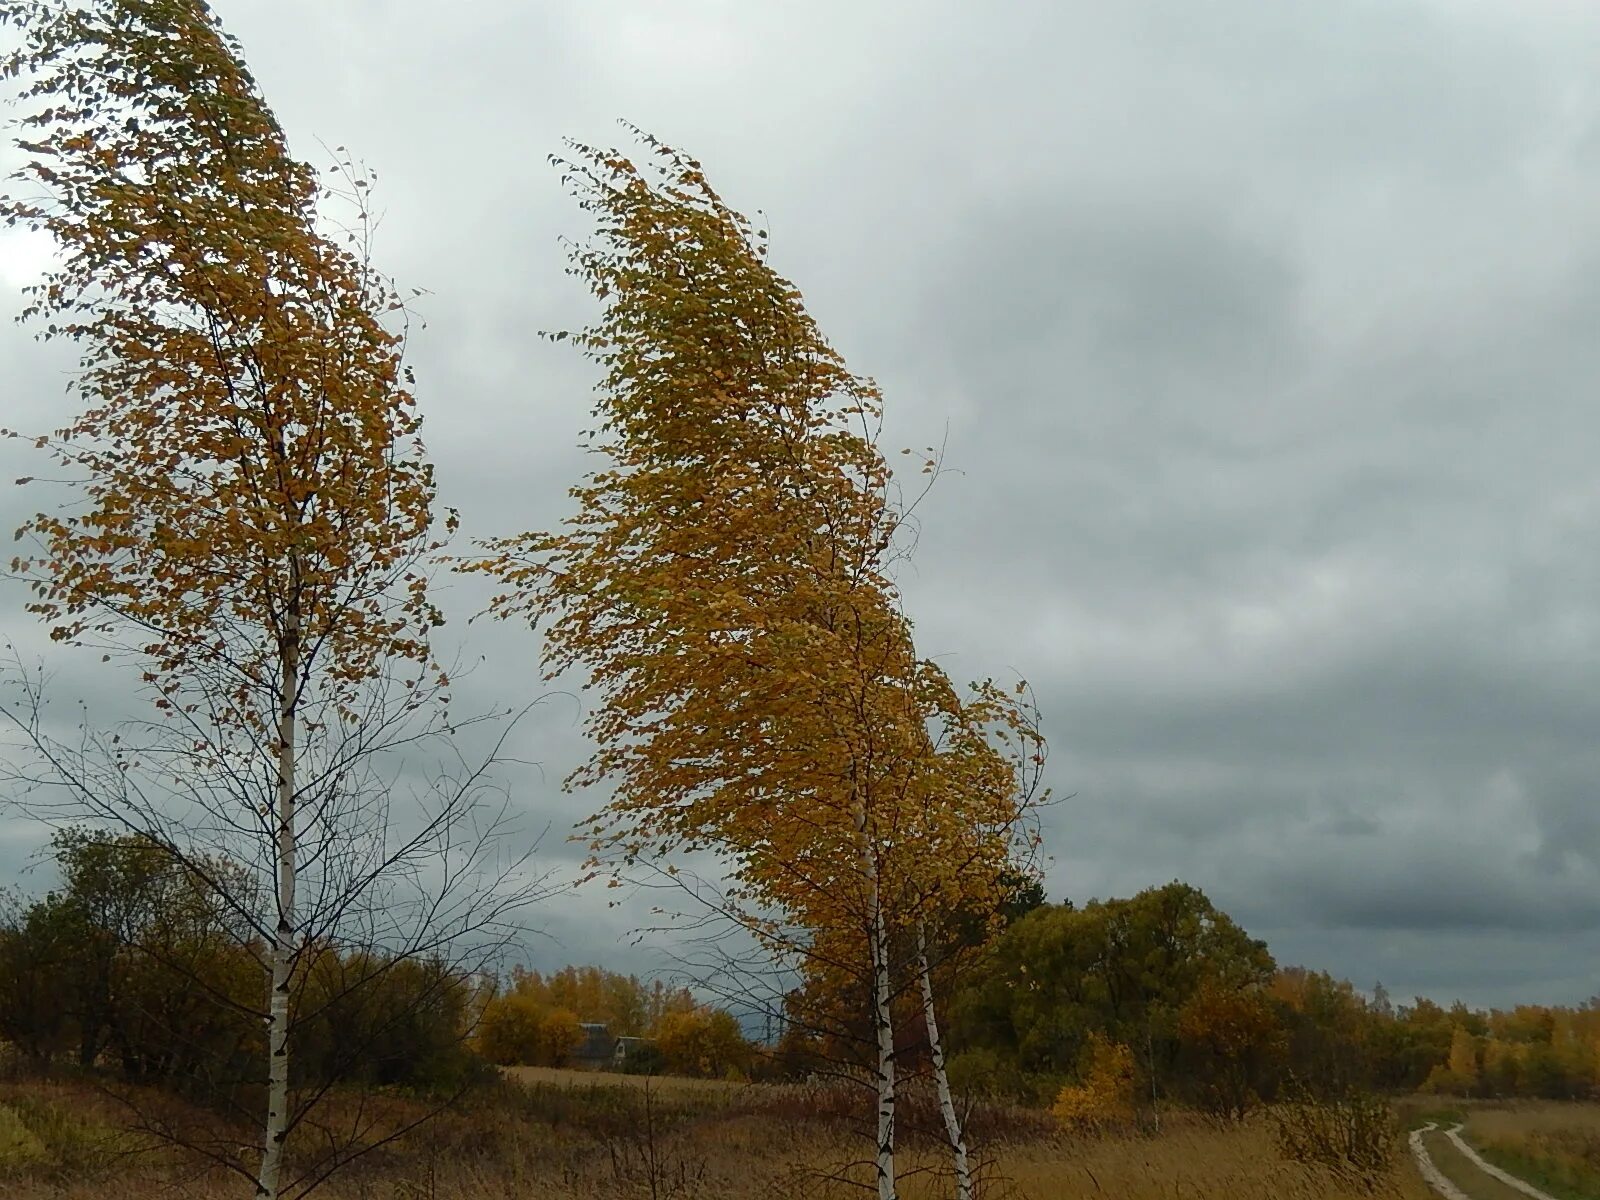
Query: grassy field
(1554, 1146)
(675, 1084)
(572, 1135)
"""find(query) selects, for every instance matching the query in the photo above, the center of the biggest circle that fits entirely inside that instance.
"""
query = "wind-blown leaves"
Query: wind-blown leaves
(249, 443)
(727, 586)
(254, 512)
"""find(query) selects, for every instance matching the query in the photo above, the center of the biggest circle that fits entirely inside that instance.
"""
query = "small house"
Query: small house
(627, 1048)
(598, 1048)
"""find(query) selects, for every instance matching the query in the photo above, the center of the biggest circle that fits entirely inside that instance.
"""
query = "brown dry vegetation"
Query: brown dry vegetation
(665, 1084)
(571, 1135)
(1555, 1146)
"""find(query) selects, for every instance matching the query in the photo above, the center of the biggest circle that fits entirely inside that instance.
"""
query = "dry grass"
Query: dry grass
(1191, 1158)
(1553, 1145)
(567, 1077)
(594, 1137)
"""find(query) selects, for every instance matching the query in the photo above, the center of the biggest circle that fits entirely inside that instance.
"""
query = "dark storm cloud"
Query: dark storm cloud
(1261, 338)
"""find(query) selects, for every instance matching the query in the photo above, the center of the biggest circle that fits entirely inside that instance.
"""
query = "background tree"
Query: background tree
(534, 1018)
(509, 1033)
(1333, 1034)
(1231, 1047)
(560, 1034)
(703, 1041)
(41, 949)
(148, 983)
(1463, 1062)
(627, 1005)
(255, 517)
(1122, 968)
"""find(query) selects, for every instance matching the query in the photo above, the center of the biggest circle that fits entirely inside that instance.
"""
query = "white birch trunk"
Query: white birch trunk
(282, 950)
(879, 950)
(941, 1080)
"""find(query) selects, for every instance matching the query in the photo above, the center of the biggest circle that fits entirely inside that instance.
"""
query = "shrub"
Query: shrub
(1105, 1097)
(1355, 1136)
(989, 1075)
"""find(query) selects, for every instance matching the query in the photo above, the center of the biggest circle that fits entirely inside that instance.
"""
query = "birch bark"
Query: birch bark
(269, 1180)
(941, 1079)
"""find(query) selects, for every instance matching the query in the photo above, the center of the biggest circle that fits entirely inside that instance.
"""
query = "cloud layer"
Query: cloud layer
(1261, 336)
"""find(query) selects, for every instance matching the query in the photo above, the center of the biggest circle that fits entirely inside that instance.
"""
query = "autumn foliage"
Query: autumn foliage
(1105, 1096)
(534, 1018)
(255, 523)
(249, 439)
(1232, 1044)
(253, 510)
(725, 585)
(705, 1042)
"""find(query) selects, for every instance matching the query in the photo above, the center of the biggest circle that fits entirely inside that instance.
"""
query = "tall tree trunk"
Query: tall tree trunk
(282, 950)
(941, 1079)
(878, 948)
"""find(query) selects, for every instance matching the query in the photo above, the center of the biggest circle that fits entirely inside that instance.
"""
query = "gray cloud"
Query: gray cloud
(1261, 339)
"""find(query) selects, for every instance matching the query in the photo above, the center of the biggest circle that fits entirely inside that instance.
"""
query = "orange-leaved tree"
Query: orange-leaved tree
(254, 516)
(726, 586)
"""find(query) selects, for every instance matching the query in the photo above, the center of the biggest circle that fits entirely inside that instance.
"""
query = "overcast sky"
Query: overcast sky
(1265, 339)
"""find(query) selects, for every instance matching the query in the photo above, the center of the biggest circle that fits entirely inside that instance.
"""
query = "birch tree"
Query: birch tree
(254, 519)
(726, 585)
(970, 844)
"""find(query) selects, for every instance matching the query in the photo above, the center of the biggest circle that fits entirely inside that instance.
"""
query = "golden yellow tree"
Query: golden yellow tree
(1463, 1062)
(1104, 1096)
(725, 585)
(703, 1041)
(255, 516)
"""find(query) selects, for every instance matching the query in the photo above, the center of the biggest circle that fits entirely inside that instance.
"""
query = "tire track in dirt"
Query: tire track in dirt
(1435, 1177)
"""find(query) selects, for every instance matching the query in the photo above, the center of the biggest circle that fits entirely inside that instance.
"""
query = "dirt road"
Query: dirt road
(1456, 1171)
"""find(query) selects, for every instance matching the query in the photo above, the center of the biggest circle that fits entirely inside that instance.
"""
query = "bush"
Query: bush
(989, 1075)
(1356, 1136)
(1105, 1097)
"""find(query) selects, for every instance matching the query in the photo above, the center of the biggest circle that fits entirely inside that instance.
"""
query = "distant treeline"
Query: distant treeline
(535, 1020)
(1209, 1019)
(133, 967)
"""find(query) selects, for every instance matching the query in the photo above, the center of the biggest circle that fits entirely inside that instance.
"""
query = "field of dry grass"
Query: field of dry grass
(1555, 1146)
(567, 1077)
(578, 1136)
